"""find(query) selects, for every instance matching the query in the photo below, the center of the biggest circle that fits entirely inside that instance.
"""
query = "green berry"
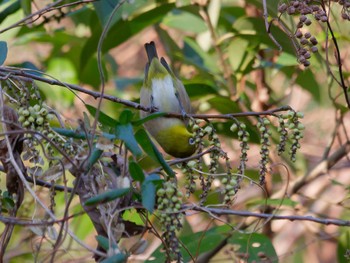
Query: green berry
(233, 127)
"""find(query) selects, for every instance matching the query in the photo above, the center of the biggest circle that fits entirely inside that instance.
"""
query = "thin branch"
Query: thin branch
(99, 60)
(268, 26)
(51, 7)
(22, 74)
(7, 72)
(339, 63)
(221, 211)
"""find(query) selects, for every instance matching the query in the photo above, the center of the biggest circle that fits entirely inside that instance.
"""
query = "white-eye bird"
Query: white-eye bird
(163, 91)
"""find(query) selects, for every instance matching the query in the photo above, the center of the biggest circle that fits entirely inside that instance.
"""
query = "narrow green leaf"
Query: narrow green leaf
(102, 242)
(119, 258)
(148, 191)
(199, 90)
(8, 203)
(152, 151)
(195, 55)
(26, 6)
(3, 52)
(14, 7)
(148, 118)
(126, 133)
(306, 80)
(102, 117)
(94, 157)
(107, 196)
(123, 83)
(126, 116)
(154, 178)
(70, 133)
(136, 172)
(241, 53)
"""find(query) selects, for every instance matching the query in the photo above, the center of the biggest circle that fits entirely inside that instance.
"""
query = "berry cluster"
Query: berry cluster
(307, 42)
(345, 12)
(215, 155)
(191, 177)
(230, 187)
(265, 144)
(282, 130)
(296, 127)
(243, 137)
(169, 205)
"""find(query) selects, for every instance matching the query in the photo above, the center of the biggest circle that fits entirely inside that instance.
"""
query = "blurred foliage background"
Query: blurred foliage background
(228, 63)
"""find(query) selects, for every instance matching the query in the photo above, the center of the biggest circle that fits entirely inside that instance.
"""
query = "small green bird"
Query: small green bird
(163, 91)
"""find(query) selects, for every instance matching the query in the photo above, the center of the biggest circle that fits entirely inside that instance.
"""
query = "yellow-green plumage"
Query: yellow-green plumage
(163, 91)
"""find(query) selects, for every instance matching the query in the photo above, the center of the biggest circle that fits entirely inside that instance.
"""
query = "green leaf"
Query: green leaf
(3, 52)
(89, 73)
(241, 54)
(133, 215)
(197, 243)
(136, 172)
(343, 246)
(199, 90)
(286, 59)
(126, 116)
(148, 192)
(195, 55)
(184, 21)
(152, 151)
(102, 242)
(102, 117)
(63, 69)
(123, 83)
(119, 258)
(12, 8)
(148, 189)
(306, 79)
(104, 10)
(126, 133)
(224, 105)
(8, 203)
(254, 245)
(148, 118)
(107, 196)
(26, 7)
(70, 133)
(94, 157)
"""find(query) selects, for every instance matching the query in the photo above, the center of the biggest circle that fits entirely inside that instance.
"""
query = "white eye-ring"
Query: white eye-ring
(192, 141)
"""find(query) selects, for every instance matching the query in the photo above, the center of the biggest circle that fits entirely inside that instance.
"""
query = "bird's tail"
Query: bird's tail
(151, 51)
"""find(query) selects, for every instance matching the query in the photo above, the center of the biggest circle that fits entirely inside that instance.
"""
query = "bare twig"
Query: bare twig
(51, 7)
(21, 74)
(221, 211)
(268, 26)
(339, 63)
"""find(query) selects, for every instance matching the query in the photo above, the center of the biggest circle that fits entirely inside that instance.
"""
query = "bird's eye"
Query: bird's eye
(191, 141)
